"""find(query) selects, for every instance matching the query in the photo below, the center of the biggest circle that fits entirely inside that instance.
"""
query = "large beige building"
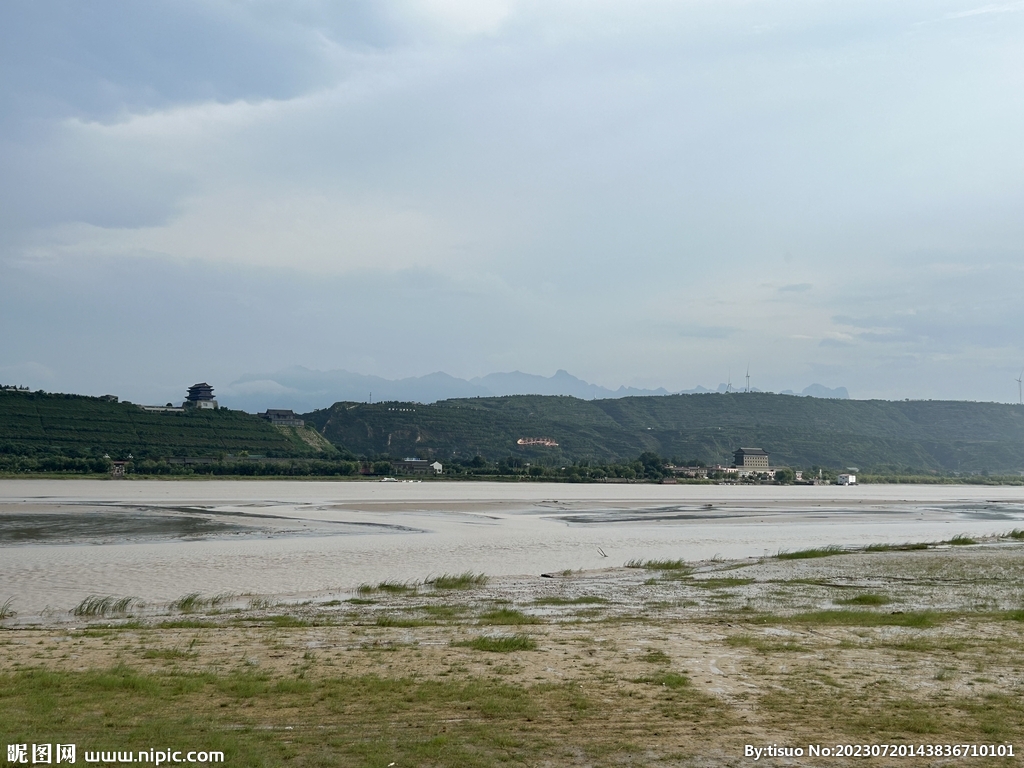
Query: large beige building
(750, 458)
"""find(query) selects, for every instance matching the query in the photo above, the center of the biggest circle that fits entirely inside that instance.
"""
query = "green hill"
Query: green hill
(41, 424)
(798, 431)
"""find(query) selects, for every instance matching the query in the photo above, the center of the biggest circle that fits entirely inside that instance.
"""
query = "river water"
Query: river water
(62, 540)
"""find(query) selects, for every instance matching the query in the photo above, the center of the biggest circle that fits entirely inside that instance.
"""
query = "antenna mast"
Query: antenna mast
(748, 378)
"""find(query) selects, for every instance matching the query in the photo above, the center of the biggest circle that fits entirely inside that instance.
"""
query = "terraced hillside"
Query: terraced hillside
(800, 431)
(39, 424)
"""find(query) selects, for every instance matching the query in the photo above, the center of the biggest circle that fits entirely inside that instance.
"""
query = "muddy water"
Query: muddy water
(63, 540)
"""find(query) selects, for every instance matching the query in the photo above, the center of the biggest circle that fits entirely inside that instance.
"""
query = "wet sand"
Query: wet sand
(63, 540)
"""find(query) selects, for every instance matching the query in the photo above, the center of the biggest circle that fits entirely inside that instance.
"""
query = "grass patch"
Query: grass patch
(96, 605)
(867, 598)
(584, 600)
(189, 603)
(896, 547)
(666, 680)
(505, 644)
(850, 715)
(1016, 533)
(465, 722)
(187, 624)
(6, 611)
(655, 656)
(806, 554)
(960, 540)
(466, 580)
(660, 565)
(194, 601)
(396, 587)
(284, 620)
(120, 626)
(508, 617)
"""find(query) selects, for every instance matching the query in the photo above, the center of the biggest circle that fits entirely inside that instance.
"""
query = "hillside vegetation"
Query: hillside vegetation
(798, 431)
(40, 424)
(875, 436)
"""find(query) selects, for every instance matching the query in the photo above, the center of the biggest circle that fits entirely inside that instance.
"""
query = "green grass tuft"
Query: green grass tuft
(655, 656)
(508, 617)
(466, 580)
(187, 624)
(868, 598)
(908, 547)
(96, 605)
(961, 539)
(506, 644)
(396, 587)
(659, 565)
(805, 554)
(190, 603)
(6, 612)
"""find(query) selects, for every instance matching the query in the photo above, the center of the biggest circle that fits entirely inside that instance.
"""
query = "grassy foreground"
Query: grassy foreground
(261, 719)
(646, 665)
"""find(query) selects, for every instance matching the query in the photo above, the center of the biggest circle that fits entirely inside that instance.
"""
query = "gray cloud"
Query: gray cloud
(532, 186)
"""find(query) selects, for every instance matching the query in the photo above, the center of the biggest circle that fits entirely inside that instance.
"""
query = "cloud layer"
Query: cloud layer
(651, 194)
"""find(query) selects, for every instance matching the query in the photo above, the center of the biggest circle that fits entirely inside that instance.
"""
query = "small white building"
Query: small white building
(437, 467)
(847, 480)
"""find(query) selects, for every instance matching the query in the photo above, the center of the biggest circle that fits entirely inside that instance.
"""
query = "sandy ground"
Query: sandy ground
(61, 541)
(942, 639)
(681, 665)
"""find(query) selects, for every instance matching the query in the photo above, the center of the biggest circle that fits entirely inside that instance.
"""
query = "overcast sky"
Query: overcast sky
(642, 193)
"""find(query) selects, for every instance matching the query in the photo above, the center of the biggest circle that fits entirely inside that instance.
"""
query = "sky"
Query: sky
(643, 193)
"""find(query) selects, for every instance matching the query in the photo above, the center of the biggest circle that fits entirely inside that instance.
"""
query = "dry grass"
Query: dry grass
(651, 678)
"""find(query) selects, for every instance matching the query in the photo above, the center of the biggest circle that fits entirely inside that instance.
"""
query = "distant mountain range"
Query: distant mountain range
(304, 390)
